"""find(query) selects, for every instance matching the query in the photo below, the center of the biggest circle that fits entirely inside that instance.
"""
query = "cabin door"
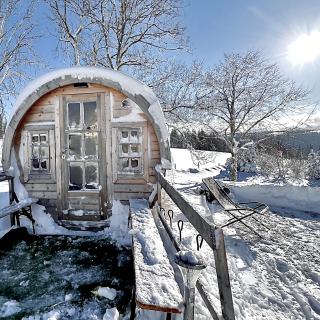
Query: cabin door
(82, 153)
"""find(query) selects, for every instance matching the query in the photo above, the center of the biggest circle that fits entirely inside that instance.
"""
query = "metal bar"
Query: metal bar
(236, 217)
(233, 220)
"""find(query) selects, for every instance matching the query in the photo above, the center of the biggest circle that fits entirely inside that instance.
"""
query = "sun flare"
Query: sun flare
(305, 49)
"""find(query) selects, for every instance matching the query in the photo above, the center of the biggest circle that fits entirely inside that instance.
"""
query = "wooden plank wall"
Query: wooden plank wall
(44, 111)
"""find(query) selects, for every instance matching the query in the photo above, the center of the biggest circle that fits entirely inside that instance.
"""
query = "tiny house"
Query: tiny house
(82, 137)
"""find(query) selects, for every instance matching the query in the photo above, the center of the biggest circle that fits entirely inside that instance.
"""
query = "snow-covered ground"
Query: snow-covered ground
(276, 277)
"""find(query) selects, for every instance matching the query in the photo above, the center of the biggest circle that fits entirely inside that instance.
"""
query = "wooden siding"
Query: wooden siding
(45, 110)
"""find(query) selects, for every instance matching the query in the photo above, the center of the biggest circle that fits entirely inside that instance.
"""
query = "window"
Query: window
(39, 152)
(38, 143)
(130, 151)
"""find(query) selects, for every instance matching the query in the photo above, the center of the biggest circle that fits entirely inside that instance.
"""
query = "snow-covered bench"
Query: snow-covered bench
(156, 287)
(22, 207)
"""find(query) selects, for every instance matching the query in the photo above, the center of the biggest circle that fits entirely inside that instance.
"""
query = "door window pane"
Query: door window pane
(35, 152)
(134, 163)
(76, 176)
(91, 174)
(35, 164)
(90, 115)
(44, 163)
(43, 138)
(125, 163)
(75, 145)
(91, 145)
(74, 114)
(35, 138)
(44, 152)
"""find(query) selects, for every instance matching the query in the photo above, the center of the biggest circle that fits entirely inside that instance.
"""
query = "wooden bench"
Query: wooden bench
(22, 207)
(156, 287)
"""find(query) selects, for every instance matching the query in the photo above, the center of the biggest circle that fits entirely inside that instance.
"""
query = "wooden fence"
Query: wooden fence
(214, 238)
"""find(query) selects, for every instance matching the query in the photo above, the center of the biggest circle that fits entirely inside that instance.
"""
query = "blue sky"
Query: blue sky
(215, 27)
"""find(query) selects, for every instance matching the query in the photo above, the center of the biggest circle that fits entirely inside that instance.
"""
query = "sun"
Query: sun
(305, 49)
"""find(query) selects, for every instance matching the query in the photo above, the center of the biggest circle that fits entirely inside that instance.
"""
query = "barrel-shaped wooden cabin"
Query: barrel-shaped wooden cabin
(82, 137)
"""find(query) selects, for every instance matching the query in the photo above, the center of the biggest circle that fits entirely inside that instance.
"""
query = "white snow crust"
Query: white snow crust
(155, 283)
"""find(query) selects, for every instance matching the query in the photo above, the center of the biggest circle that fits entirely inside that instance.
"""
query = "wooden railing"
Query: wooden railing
(214, 238)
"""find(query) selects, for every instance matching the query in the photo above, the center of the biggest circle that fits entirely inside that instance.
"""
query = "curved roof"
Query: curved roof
(138, 92)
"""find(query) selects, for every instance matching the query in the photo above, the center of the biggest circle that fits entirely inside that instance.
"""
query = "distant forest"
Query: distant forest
(292, 144)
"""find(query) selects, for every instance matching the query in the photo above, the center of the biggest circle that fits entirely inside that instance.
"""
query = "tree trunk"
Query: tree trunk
(234, 166)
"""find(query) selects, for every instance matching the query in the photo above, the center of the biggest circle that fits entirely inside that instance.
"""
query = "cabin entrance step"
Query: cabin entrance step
(84, 225)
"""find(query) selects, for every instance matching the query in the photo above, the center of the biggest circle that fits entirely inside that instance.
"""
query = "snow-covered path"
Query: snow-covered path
(276, 277)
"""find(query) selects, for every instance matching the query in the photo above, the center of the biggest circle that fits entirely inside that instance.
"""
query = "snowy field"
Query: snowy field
(275, 277)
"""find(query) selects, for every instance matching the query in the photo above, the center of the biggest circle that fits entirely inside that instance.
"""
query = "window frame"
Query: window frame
(43, 175)
(142, 173)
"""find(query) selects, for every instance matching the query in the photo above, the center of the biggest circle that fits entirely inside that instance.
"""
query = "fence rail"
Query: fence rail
(214, 238)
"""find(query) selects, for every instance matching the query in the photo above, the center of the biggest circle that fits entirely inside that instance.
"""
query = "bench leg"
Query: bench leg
(18, 219)
(12, 219)
(133, 304)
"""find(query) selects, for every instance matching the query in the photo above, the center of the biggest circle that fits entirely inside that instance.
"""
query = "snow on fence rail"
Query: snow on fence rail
(214, 238)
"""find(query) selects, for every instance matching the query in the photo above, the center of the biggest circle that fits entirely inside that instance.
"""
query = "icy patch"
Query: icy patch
(111, 314)
(9, 308)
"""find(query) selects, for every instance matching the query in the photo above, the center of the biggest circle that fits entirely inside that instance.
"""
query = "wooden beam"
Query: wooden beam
(200, 223)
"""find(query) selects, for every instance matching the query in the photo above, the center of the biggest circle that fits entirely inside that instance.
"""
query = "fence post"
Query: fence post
(221, 264)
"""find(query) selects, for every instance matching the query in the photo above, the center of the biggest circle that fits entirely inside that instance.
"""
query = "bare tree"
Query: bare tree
(246, 92)
(72, 27)
(118, 33)
(16, 41)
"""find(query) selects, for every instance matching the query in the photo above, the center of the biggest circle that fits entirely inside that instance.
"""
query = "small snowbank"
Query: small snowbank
(182, 158)
(297, 198)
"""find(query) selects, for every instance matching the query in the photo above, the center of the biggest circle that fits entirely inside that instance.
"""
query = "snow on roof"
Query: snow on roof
(126, 82)
(134, 89)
